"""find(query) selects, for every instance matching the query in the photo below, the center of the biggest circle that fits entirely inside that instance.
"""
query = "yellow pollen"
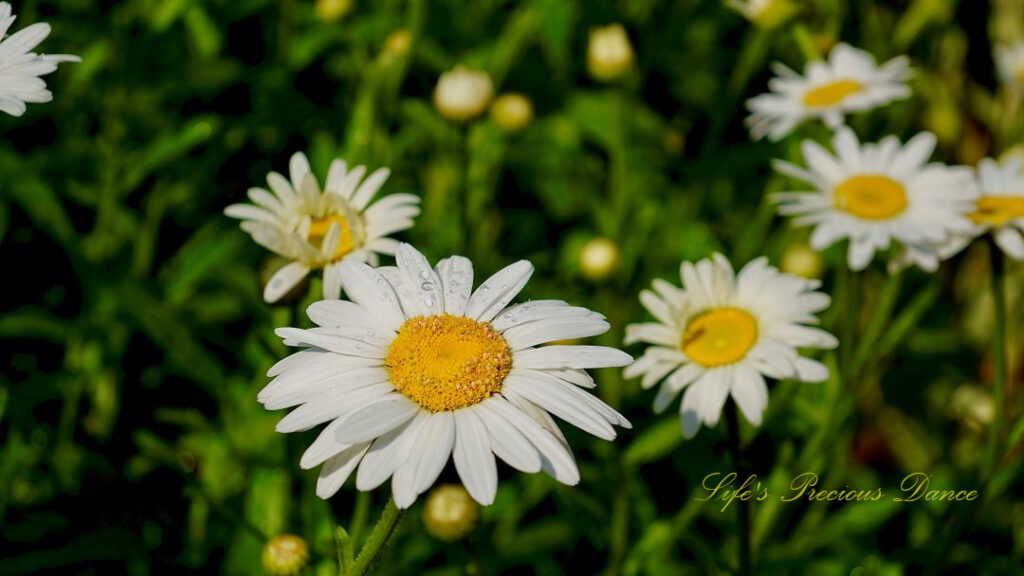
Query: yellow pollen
(719, 336)
(318, 231)
(871, 197)
(446, 362)
(998, 210)
(832, 93)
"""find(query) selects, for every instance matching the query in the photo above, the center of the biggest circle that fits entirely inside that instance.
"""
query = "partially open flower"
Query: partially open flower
(1010, 64)
(512, 111)
(463, 94)
(599, 258)
(450, 512)
(609, 53)
(317, 229)
(285, 555)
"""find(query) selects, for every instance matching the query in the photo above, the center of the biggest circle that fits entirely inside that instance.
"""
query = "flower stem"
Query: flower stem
(736, 449)
(999, 375)
(382, 532)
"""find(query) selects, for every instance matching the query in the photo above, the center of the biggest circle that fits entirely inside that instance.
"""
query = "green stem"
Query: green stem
(848, 329)
(999, 375)
(382, 532)
(805, 41)
(736, 449)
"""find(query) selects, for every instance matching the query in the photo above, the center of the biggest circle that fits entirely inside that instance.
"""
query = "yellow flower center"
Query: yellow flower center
(832, 93)
(871, 197)
(446, 362)
(998, 210)
(719, 336)
(318, 231)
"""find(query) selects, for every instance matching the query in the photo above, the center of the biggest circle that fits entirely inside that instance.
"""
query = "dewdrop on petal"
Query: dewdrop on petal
(462, 93)
(801, 260)
(609, 53)
(599, 258)
(450, 512)
(285, 555)
(512, 111)
(332, 10)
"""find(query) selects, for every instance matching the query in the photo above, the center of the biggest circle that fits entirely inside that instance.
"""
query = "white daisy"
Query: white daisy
(722, 334)
(850, 81)
(418, 367)
(318, 229)
(1010, 63)
(874, 193)
(20, 69)
(999, 210)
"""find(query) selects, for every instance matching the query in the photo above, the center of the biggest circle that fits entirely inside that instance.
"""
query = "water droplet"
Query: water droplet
(427, 286)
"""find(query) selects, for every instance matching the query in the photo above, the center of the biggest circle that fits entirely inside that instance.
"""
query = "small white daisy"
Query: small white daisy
(874, 193)
(419, 367)
(318, 229)
(1010, 63)
(999, 210)
(850, 81)
(722, 334)
(20, 69)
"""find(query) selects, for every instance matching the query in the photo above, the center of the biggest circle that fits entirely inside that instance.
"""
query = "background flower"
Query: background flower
(723, 334)
(21, 69)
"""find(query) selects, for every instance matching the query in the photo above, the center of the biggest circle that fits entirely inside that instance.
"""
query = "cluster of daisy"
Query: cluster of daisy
(873, 194)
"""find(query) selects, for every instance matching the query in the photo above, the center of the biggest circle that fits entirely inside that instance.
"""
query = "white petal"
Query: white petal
(507, 441)
(432, 449)
(369, 289)
(284, 280)
(750, 393)
(473, 459)
(556, 459)
(456, 275)
(375, 418)
(571, 357)
(337, 469)
(496, 292)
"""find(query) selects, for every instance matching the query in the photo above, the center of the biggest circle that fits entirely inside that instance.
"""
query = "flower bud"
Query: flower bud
(609, 53)
(766, 14)
(398, 43)
(450, 512)
(285, 555)
(331, 10)
(801, 260)
(462, 94)
(599, 258)
(512, 111)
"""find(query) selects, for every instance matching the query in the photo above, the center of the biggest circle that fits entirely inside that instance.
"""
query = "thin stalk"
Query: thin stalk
(379, 537)
(999, 376)
(736, 449)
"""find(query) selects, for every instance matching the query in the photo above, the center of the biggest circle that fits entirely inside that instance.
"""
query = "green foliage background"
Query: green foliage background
(133, 337)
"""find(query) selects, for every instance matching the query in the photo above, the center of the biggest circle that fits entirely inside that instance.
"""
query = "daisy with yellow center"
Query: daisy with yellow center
(873, 194)
(319, 229)
(418, 367)
(722, 334)
(999, 210)
(849, 81)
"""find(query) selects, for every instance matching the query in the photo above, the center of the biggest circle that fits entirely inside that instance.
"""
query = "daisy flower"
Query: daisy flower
(318, 229)
(722, 334)
(20, 69)
(1010, 63)
(999, 210)
(418, 368)
(850, 81)
(874, 193)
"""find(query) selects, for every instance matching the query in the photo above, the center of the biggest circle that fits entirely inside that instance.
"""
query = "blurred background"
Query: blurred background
(133, 336)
